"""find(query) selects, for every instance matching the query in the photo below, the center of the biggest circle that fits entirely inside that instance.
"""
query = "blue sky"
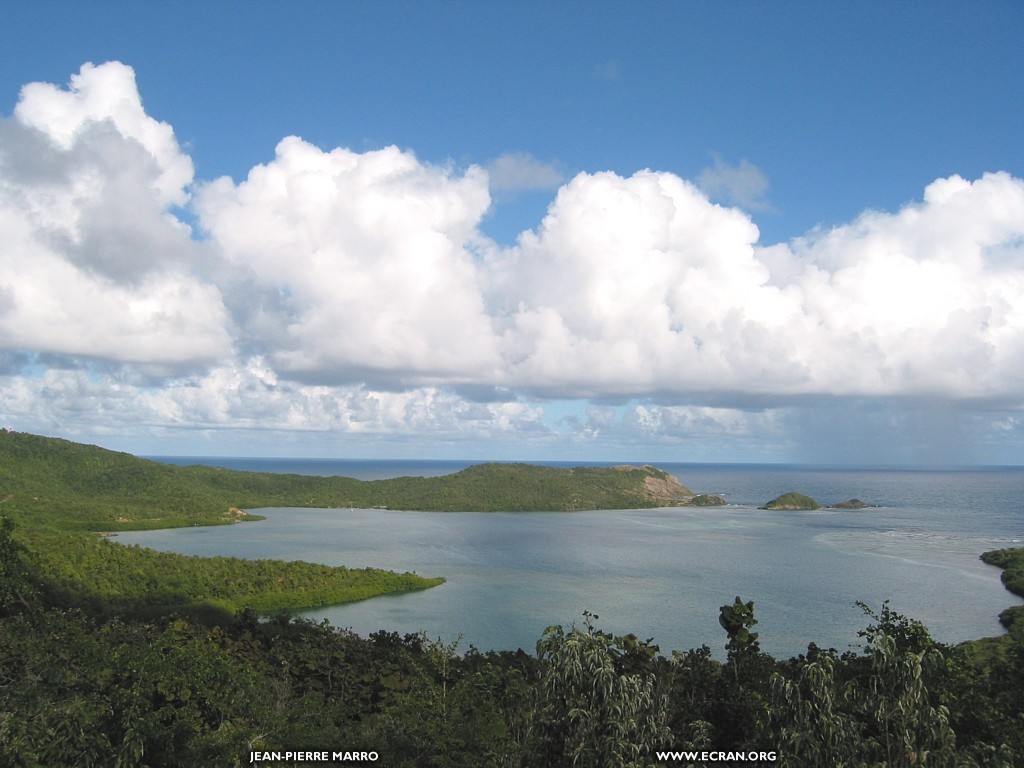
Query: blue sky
(665, 231)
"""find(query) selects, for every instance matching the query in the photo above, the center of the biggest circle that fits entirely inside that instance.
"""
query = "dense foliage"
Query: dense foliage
(104, 578)
(119, 656)
(1012, 563)
(88, 488)
(173, 691)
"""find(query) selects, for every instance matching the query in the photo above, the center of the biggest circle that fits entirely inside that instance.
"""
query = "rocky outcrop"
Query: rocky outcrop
(850, 504)
(659, 484)
(705, 500)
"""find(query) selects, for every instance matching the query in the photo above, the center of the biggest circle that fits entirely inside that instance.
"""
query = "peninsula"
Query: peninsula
(66, 500)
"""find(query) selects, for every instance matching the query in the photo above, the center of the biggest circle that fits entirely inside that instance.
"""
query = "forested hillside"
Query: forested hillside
(120, 656)
(172, 692)
(61, 494)
(89, 488)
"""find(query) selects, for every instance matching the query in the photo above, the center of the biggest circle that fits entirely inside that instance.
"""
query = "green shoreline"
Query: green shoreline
(66, 500)
(119, 654)
(1011, 561)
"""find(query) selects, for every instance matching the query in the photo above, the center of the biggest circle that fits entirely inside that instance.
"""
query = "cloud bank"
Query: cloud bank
(356, 292)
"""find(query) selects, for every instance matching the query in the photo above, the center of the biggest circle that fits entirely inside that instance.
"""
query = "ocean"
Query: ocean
(661, 573)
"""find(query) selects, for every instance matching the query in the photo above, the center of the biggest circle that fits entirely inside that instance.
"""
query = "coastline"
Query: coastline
(497, 600)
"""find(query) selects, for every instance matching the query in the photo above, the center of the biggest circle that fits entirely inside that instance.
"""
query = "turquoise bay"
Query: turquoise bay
(660, 573)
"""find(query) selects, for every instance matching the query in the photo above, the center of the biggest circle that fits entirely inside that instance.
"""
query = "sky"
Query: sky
(654, 231)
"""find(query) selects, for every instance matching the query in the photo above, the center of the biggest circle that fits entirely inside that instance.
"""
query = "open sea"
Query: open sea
(658, 573)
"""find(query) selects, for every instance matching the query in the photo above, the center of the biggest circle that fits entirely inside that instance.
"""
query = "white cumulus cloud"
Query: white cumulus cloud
(365, 262)
(927, 300)
(355, 290)
(640, 285)
(93, 264)
(107, 93)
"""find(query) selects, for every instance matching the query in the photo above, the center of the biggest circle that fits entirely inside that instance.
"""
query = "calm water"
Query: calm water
(659, 573)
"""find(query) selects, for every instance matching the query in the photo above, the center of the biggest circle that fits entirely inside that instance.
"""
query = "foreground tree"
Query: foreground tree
(591, 711)
(80, 690)
(875, 709)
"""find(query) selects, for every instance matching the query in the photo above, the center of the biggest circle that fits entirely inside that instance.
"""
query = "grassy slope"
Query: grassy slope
(58, 491)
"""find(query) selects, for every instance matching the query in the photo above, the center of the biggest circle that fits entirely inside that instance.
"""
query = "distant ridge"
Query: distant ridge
(85, 487)
(60, 494)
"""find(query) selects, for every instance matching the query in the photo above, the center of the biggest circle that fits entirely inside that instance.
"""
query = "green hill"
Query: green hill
(88, 488)
(58, 494)
(61, 494)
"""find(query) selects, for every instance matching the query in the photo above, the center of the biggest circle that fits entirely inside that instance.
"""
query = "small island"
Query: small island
(792, 501)
(851, 504)
(796, 502)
